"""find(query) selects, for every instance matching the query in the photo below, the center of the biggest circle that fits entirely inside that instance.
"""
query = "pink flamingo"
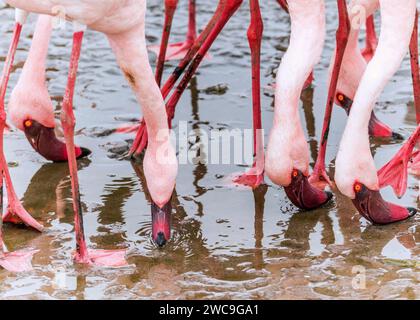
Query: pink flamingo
(287, 157)
(356, 175)
(352, 69)
(126, 35)
(30, 107)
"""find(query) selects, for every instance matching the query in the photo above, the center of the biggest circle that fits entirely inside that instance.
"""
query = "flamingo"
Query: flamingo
(287, 157)
(30, 107)
(123, 23)
(354, 65)
(352, 69)
(356, 175)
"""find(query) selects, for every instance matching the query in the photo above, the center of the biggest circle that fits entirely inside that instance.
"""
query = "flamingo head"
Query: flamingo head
(303, 195)
(45, 142)
(376, 127)
(161, 223)
(374, 208)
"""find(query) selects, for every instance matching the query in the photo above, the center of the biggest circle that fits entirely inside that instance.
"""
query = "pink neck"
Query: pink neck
(35, 63)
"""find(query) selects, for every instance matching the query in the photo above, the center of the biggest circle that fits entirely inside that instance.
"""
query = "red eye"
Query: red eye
(340, 97)
(28, 123)
(357, 187)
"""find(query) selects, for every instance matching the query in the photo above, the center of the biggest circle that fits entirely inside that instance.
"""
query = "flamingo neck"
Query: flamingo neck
(35, 64)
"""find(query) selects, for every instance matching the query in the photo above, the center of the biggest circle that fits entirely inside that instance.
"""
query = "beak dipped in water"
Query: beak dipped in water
(45, 142)
(303, 195)
(161, 223)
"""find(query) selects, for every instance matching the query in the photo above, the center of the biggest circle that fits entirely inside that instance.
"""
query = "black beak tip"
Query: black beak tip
(412, 212)
(85, 152)
(397, 136)
(160, 240)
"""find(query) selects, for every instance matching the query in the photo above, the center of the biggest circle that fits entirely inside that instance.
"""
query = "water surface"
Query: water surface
(228, 242)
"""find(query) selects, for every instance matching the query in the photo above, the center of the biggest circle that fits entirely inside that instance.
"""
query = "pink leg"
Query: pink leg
(319, 176)
(224, 12)
(371, 39)
(255, 177)
(229, 9)
(18, 261)
(415, 72)
(140, 141)
(83, 255)
(394, 173)
(177, 51)
(15, 211)
(170, 7)
(284, 5)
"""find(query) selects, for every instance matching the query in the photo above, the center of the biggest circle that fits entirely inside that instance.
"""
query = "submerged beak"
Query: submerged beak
(45, 142)
(303, 195)
(374, 208)
(161, 224)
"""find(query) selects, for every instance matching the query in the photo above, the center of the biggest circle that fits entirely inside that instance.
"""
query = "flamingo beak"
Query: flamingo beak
(303, 195)
(161, 224)
(374, 208)
(45, 142)
(344, 102)
(376, 127)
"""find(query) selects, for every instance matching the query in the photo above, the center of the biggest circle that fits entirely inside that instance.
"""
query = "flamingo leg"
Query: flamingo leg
(255, 176)
(229, 9)
(415, 72)
(178, 50)
(224, 12)
(319, 175)
(284, 5)
(140, 141)
(15, 211)
(170, 7)
(83, 254)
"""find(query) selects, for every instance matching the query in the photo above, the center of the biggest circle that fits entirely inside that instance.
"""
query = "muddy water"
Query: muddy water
(228, 242)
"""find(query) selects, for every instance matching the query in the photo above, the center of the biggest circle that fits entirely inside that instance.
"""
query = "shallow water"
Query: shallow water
(228, 242)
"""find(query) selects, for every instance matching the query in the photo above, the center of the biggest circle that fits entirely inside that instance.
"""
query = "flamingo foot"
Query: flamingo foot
(175, 51)
(319, 178)
(161, 223)
(45, 142)
(394, 173)
(303, 195)
(18, 261)
(374, 208)
(414, 164)
(140, 142)
(17, 214)
(103, 258)
(252, 178)
(128, 128)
